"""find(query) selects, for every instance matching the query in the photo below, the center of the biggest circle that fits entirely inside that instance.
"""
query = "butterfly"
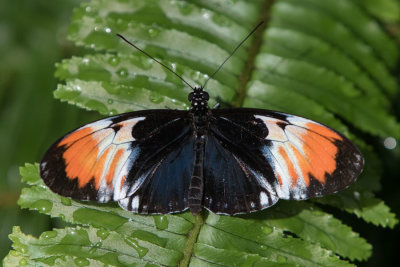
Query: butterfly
(229, 161)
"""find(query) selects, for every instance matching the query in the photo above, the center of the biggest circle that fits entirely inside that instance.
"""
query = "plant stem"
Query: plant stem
(192, 238)
(254, 49)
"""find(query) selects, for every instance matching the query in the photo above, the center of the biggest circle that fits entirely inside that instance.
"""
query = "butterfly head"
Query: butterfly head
(199, 100)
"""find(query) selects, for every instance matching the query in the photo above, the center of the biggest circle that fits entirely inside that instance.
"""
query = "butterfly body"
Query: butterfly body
(229, 161)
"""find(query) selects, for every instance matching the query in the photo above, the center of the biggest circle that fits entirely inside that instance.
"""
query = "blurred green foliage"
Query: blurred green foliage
(32, 39)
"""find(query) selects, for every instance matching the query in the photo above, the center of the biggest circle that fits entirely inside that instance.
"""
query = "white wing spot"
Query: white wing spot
(275, 132)
(124, 134)
(264, 199)
(135, 203)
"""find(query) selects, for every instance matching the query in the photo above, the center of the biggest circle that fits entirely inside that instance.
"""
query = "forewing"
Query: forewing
(112, 158)
(293, 157)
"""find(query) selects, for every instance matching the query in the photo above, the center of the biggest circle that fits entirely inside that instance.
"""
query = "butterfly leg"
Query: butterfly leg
(197, 182)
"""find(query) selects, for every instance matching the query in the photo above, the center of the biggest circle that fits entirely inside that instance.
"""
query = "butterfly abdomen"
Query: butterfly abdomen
(197, 180)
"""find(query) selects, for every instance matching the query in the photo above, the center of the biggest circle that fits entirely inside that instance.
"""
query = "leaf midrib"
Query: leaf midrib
(253, 51)
(238, 100)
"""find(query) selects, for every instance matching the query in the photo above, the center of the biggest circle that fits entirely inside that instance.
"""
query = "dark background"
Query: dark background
(32, 39)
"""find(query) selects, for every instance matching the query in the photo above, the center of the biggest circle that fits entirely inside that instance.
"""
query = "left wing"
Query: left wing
(138, 159)
(292, 157)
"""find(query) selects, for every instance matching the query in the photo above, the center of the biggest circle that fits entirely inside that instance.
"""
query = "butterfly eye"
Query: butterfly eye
(190, 96)
(205, 96)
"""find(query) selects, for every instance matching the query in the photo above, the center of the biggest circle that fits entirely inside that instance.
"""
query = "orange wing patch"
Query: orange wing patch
(290, 167)
(82, 158)
(299, 150)
(100, 167)
(97, 152)
(113, 166)
(314, 150)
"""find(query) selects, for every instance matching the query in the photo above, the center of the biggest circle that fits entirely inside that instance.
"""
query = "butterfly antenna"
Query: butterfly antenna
(233, 52)
(162, 64)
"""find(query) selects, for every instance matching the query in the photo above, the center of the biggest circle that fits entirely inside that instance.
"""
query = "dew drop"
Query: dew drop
(102, 233)
(122, 72)
(262, 247)
(65, 201)
(156, 98)
(205, 13)
(221, 20)
(357, 195)
(281, 259)
(114, 61)
(153, 32)
(161, 222)
(185, 8)
(43, 206)
(61, 216)
(107, 30)
(318, 213)
(110, 101)
(81, 262)
(146, 63)
(142, 251)
(22, 248)
(96, 246)
(48, 235)
(23, 262)
(267, 230)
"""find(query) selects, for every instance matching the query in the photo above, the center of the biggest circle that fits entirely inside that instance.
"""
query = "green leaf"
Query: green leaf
(163, 240)
(364, 205)
(312, 224)
(326, 60)
(246, 235)
(386, 10)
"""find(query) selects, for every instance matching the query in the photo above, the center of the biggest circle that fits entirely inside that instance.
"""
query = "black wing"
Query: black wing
(141, 159)
(268, 155)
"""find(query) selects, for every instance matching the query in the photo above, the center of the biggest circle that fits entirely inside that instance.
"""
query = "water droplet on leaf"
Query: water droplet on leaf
(114, 60)
(81, 262)
(221, 20)
(161, 222)
(281, 259)
(66, 201)
(142, 251)
(43, 206)
(267, 230)
(153, 32)
(102, 233)
(156, 98)
(185, 8)
(122, 72)
(48, 235)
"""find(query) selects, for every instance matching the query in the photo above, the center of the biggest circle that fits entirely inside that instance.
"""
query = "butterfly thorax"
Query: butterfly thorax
(199, 106)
